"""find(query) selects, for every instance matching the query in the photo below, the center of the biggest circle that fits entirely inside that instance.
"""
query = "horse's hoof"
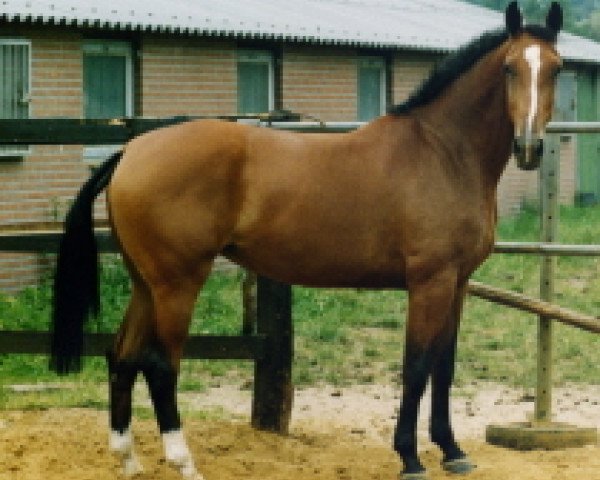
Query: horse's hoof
(414, 476)
(460, 466)
(132, 467)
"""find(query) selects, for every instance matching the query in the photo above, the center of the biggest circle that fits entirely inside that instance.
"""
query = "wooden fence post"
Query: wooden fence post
(273, 389)
(542, 432)
(249, 302)
(549, 182)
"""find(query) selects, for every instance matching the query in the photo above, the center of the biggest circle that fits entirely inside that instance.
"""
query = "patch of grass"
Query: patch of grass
(75, 395)
(142, 413)
(505, 340)
(191, 384)
(210, 414)
(346, 336)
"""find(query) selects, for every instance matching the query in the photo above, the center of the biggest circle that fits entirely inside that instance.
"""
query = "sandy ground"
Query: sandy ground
(336, 434)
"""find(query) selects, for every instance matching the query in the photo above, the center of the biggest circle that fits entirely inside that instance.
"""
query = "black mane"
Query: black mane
(456, 64)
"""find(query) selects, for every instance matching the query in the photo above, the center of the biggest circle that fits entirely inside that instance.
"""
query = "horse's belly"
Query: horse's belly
(323, 266)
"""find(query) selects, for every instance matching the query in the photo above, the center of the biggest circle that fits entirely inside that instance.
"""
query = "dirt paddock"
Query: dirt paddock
(336, 435)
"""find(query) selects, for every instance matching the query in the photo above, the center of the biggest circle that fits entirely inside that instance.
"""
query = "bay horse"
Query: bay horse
(407, 201)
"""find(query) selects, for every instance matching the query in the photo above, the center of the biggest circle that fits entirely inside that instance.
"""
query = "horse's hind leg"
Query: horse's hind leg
(173, 307)
(123, 366)
(122, 377)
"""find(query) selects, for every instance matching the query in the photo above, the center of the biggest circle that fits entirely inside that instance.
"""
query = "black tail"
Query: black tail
(76, 294)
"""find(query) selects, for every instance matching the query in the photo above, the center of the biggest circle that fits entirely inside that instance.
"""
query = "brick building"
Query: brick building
(338, 60)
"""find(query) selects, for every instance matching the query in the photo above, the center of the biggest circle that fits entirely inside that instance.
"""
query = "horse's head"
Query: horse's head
(531, 67)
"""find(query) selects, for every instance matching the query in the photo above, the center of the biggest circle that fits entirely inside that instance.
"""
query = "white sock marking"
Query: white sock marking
(122, 445)
(533, 57)
(120, 442)
(178, 454)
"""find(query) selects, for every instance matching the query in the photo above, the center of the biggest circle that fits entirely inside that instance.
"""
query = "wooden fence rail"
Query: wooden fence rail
(104, 131)
(533, 305)
(213, 347)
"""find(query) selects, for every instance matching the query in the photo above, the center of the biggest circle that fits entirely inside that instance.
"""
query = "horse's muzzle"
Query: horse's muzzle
(528, 153)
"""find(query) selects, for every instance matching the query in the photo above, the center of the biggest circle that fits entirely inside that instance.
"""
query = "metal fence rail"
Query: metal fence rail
(541, 248)
(46, 241)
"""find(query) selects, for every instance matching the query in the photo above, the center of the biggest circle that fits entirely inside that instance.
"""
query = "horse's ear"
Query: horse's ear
(554, 20)
(514, 19)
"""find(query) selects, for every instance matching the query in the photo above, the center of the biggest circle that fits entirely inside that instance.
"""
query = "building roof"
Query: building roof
(430, 25)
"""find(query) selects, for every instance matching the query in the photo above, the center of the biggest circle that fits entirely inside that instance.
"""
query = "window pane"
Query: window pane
(14, 89)
(104, 84)
(253, 87)
(564, 104)
(14, 80)
(369, 93)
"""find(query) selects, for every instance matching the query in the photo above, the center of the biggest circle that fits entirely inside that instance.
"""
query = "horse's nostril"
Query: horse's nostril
(517, 147)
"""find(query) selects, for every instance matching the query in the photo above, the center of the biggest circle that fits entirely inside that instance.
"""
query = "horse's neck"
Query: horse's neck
(472, 117)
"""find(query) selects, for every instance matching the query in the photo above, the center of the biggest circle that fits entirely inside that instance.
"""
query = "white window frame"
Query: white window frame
(380, 63)
(261, 56)
(117, 48)
(19, 151)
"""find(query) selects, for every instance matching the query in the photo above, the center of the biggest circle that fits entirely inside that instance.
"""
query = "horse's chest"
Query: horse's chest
(477, 242)
(463, 238)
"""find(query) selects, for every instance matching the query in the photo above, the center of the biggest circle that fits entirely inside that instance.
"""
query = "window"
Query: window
(371, 88)
(15, 68)
(566, 93)
(256, 86)
(107, 86)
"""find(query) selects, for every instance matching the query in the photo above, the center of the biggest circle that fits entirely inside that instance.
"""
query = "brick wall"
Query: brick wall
(408, 72)
(187, 77)
(517, 187)
(320, 82)
(36, 189)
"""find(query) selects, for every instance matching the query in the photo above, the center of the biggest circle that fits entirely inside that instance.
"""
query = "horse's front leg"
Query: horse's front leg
(455, 460)
(430, 303)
